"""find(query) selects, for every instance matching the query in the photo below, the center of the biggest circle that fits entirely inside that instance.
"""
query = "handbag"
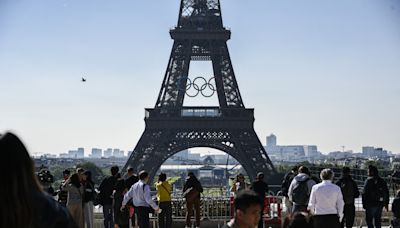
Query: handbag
(191, 194)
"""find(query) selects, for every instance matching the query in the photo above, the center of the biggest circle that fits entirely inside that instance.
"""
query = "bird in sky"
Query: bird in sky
(83, 79)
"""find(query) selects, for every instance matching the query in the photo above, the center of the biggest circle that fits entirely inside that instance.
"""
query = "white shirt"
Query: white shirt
(140, 195)
(325, 199)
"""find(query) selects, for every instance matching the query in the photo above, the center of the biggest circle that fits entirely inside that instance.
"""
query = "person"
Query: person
(131, 180)
(88, 197)
(164, 191)
(261, 188)
(121, 217)
(300, 189)
(375, 196)
(141, 198)
(240, 184)
(80, 172)
(285, 187)
(326, 202)
(247, 206)
(106, 189)
(62, 194)
(350, 192)
(23, 202)
(298, 220)
(192, 190)
(396, 211)
(74, 203)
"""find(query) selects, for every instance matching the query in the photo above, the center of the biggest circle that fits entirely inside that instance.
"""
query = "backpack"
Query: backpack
(300, 193)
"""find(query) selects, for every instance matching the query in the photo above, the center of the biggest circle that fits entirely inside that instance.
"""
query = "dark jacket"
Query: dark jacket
(261, 188)
(396, 207)
(106, 189)
(349, 189)
(89, 192)
(50, 214)
(286, 183)
(192, 182)
(131, 180)
(375, 193)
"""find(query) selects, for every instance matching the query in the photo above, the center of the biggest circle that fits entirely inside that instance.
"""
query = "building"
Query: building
(80, 153)
(369, 151)
(290, 152)
(108, 153)
(96, 153)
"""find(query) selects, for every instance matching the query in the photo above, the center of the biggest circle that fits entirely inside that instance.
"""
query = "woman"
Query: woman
(164, 199)
(75, 195)
(192, 190)
(121, 217)
(23, 202)
(88, 198)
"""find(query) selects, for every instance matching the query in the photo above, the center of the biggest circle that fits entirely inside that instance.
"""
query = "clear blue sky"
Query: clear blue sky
(316, 71)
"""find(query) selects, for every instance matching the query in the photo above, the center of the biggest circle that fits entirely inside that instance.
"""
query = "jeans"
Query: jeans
(326, 221)
(165, 217)
(301, 208)
(349, 214)
(108, 216)
(373, 213)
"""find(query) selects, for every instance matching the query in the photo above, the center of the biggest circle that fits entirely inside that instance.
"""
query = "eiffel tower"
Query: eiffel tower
(172, 127)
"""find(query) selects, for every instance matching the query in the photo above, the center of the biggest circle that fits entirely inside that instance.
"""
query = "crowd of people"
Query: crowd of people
(310, 201)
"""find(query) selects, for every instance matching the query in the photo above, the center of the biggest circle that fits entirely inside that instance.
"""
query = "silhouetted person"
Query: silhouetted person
(298, 220)
(396, 211)
(247, 210)
(121, 217)
(106, 189)
(192, 190)
(261, 188)
(23, 202)
(375, 196)
(350, 192)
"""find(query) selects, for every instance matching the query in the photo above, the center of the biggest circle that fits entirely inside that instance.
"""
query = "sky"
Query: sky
(317, 72)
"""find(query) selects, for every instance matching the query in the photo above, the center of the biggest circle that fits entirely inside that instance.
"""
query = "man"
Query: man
(106, 189)
(261, 188)
(247, 210)
(164, 198)
(80, 172)
(62, 194)
(350, 192)
(300, 189)
(375, 196)
(285, 187)
(131, 180)
(326, 202)
(140, 195)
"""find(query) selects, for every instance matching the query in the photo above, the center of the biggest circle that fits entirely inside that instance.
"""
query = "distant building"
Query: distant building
(290, 152)
(64, 155)
(271, 140)
(369, 151)
(108, 153)
(80, 153)
(73, 154)
(118, 153)
(96, 153)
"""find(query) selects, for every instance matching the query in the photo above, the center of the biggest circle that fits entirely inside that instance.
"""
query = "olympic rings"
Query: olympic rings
(199, 87)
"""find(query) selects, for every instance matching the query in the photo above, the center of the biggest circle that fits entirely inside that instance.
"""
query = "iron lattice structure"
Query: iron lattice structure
(171, 127)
